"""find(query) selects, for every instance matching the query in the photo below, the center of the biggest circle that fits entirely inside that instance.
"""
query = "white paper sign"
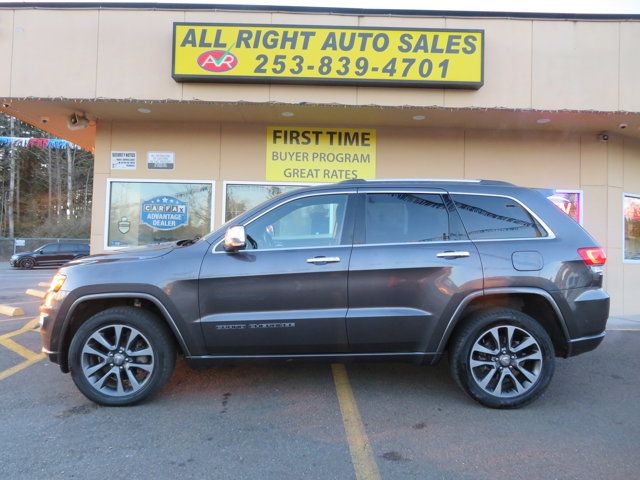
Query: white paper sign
(161, 160)
(20, 242)
(123, 160)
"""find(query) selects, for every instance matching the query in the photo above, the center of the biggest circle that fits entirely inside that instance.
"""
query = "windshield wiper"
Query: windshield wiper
(188, 241)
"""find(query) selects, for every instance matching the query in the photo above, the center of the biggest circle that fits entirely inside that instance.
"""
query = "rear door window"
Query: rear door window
(50, 249)
(405, 218)
(496, 217)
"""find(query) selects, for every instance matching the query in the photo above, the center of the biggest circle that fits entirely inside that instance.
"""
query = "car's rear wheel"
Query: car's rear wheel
(28, 263)
(502, 358)
(121, 356)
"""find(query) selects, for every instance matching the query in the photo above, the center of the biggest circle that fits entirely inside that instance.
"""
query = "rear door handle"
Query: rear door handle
(456, 254)
(323, 260)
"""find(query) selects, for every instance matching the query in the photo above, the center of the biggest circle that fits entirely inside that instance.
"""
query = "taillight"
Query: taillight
(593, 255)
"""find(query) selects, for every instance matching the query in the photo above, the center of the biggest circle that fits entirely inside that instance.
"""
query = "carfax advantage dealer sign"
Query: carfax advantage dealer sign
(331, 55)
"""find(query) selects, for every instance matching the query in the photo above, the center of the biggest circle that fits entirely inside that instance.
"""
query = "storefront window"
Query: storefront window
(569, 201)
(150, 212)
(631, 208)
(240, 197)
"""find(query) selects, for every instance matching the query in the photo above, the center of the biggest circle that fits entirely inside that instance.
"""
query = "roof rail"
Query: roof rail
(430, 180)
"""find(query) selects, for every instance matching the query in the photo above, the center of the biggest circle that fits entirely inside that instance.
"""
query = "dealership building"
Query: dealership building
(196, 113)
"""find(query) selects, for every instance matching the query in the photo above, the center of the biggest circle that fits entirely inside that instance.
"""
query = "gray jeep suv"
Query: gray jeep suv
(493, 274)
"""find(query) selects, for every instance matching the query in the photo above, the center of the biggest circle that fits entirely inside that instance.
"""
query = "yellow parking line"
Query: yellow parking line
(21, 366)
(362, 456)
(36, 293)
(17, 348)
(28, 302)
(30, 325)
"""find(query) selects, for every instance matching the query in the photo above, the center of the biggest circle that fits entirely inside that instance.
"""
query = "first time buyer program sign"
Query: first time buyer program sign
(320, 155)
(328, 54)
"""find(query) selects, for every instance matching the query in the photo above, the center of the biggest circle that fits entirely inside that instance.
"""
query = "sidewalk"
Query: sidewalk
(624, 322)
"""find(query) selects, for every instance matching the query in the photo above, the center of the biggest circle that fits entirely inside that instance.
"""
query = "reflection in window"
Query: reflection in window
(631, 208)
(315, 221)
(489, 217)
(405, 217)
(241, 197)
(151, 212)
(569, 201)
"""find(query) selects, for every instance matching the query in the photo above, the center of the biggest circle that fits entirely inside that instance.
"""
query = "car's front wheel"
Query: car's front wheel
(121, 356)
(502, 358)
(28, 263)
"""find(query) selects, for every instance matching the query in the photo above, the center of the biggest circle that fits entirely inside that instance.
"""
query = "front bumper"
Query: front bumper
(13, 262)
(48, 313)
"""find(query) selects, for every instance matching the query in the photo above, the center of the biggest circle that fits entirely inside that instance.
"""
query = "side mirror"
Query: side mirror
(235, 238)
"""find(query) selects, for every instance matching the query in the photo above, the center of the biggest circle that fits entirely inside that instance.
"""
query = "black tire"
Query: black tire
(153, 331)
(27, 263)
(476, 333)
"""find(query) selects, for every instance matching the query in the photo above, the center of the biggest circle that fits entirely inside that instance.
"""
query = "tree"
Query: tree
(44, 192)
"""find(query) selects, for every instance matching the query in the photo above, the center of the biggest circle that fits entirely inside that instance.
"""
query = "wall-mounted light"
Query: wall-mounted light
(144, 110)
(287, 114)
(419, 118)
(542, 121)
(77, 121)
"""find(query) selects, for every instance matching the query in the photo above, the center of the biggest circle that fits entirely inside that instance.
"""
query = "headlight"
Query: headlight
(57, 282)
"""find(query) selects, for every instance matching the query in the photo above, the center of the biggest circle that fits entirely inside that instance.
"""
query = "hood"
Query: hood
(128, 254)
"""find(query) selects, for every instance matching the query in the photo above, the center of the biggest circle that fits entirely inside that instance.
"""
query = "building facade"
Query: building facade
(185, 139)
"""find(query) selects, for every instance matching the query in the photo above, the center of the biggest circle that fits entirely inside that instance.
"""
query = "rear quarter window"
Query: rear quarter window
(496, 217)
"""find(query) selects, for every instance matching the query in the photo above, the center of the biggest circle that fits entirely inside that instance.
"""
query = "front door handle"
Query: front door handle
(323, 260)
(451, 254)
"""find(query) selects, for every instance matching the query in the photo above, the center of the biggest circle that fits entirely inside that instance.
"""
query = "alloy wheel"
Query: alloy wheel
(505, 361)
(117, 360)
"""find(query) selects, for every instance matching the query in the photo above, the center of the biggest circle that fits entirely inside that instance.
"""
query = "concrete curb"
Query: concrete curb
(628, 322)
(36, 293)
(11, 311)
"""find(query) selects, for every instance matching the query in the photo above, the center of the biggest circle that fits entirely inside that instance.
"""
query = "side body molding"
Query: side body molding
(500, 291)
(146, 296)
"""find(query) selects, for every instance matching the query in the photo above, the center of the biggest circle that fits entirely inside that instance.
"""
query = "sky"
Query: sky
(548, 6)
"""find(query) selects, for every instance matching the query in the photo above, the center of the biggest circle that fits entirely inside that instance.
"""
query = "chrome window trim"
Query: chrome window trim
(313, 194)
(550, 234)
(430, 242)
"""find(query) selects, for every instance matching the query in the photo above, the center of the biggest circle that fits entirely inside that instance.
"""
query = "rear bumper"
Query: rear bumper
(584, 344)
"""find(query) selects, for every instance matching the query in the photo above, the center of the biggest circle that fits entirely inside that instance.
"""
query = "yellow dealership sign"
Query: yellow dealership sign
(319, 155)
(330, 55)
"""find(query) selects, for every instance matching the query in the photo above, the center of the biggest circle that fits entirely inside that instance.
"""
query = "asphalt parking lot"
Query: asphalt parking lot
(316, 421)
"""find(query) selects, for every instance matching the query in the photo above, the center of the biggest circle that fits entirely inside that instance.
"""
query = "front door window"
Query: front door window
(316, 221)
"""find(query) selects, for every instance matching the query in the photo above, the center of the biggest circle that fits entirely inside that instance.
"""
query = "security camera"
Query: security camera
(44, 120)
(622, 126)
(77, 122)
(603, 137)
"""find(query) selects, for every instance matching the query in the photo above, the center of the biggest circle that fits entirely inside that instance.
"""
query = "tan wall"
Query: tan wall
(237, 152)
(124, 54)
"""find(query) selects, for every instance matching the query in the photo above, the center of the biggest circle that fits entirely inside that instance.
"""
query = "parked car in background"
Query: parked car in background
(50, 255)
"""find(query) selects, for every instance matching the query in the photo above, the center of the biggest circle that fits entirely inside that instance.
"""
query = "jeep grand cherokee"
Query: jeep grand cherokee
(493, 274)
